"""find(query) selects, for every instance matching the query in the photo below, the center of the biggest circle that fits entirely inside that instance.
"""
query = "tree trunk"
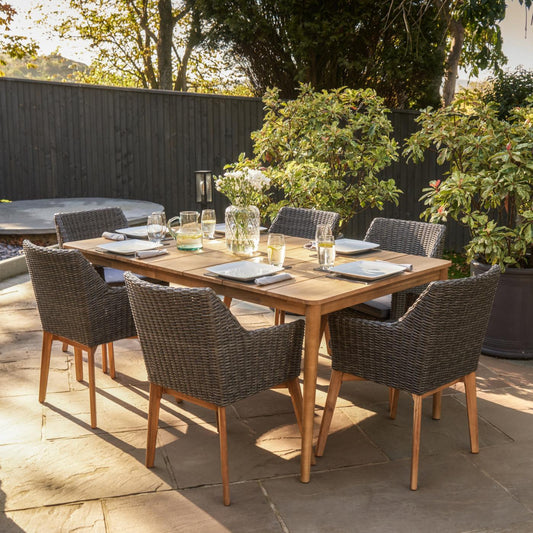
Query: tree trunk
(164, 44)
(457, 32)
(181, 78)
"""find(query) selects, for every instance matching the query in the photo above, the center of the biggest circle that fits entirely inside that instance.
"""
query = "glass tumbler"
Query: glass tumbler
(276, 249)
(209, 221)
(156, 227)
(326, 252)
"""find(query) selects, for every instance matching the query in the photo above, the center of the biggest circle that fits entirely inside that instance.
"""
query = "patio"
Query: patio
(56, 474)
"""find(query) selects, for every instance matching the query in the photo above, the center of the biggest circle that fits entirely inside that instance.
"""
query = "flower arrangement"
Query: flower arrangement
(242, 184)
(245, 188)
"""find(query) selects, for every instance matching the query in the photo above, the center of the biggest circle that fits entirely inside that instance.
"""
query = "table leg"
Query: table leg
(312, 344)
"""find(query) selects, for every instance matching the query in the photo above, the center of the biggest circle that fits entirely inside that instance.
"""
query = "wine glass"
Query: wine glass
(208, 220)
(156, 227)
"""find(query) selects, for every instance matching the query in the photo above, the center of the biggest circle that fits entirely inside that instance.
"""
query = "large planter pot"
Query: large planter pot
(510, 329)
(242, 229)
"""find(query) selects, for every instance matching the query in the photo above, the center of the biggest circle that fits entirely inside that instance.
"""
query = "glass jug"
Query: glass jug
(186, 230)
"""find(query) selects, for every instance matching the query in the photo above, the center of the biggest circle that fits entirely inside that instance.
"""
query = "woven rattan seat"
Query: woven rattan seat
(96, 314)
(196, 350)
(434, 345)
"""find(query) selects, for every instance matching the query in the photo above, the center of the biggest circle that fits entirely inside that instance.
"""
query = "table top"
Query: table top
(308, 286)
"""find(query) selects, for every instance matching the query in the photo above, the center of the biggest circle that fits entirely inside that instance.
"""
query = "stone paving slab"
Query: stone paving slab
(453, 496)
(198, 510)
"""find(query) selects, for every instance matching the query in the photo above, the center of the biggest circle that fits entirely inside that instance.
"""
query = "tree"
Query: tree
(15, 46)
(331, 44)
(153, 44)
(474, 37)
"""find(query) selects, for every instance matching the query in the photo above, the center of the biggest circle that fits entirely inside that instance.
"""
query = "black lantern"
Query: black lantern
(204, 187)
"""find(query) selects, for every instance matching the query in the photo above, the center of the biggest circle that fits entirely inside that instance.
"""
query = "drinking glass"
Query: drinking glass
(276, 249)
(209, 220)
(156, 227)
(326, 251)
(322, 230)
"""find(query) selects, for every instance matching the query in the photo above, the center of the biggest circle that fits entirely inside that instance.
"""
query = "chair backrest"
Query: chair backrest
(70, 294)
(188, 337)
(88, 224)
(446, 326)
(192, 343)
(300, 222)
(407, 236)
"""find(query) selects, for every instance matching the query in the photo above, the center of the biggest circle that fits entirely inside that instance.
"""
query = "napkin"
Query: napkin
(267, 280)
(408, 267)
(143, 254)
(113, 236)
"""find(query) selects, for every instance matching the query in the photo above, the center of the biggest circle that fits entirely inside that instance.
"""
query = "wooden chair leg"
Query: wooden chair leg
(223, 439)
(437, 405)
(156, 391)
(45, 364)
(92, 387)
(417, 422)
(327, 335)
(333, 392)
(78, 363)
(297, 400)
(394, 396)
(227, 301)
(471, 409)
(279, 317)
(65, 347)
(104, 358)
(111, 355)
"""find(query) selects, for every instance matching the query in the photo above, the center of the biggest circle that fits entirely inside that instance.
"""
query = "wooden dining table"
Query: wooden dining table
(311, 293)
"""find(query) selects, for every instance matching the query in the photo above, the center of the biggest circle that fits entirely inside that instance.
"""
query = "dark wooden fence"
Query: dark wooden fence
(68, 140)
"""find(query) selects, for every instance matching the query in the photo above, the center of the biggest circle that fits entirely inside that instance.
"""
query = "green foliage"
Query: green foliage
(13, 46)
(489, 187)
(394, 47)
(325, 150)
(510, 89)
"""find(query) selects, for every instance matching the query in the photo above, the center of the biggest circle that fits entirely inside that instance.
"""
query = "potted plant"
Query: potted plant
(488, 188)
(325, 150)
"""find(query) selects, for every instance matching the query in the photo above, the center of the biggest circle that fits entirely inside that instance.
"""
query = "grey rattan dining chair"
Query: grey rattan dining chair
(407, 237)
(79, 225)
(300, 222)
(196, 350)
(96, 314)
(436, 344)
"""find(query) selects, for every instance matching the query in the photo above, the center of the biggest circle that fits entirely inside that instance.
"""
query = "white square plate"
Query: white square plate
(127, 247)
(352, 246)
(244, 270)
(368, 270)
(136, 232)
(221, 228)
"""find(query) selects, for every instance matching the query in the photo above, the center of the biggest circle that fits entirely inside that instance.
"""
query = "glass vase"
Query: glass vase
(242, 229)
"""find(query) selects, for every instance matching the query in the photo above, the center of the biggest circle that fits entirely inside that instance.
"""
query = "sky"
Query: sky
(517, 41)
